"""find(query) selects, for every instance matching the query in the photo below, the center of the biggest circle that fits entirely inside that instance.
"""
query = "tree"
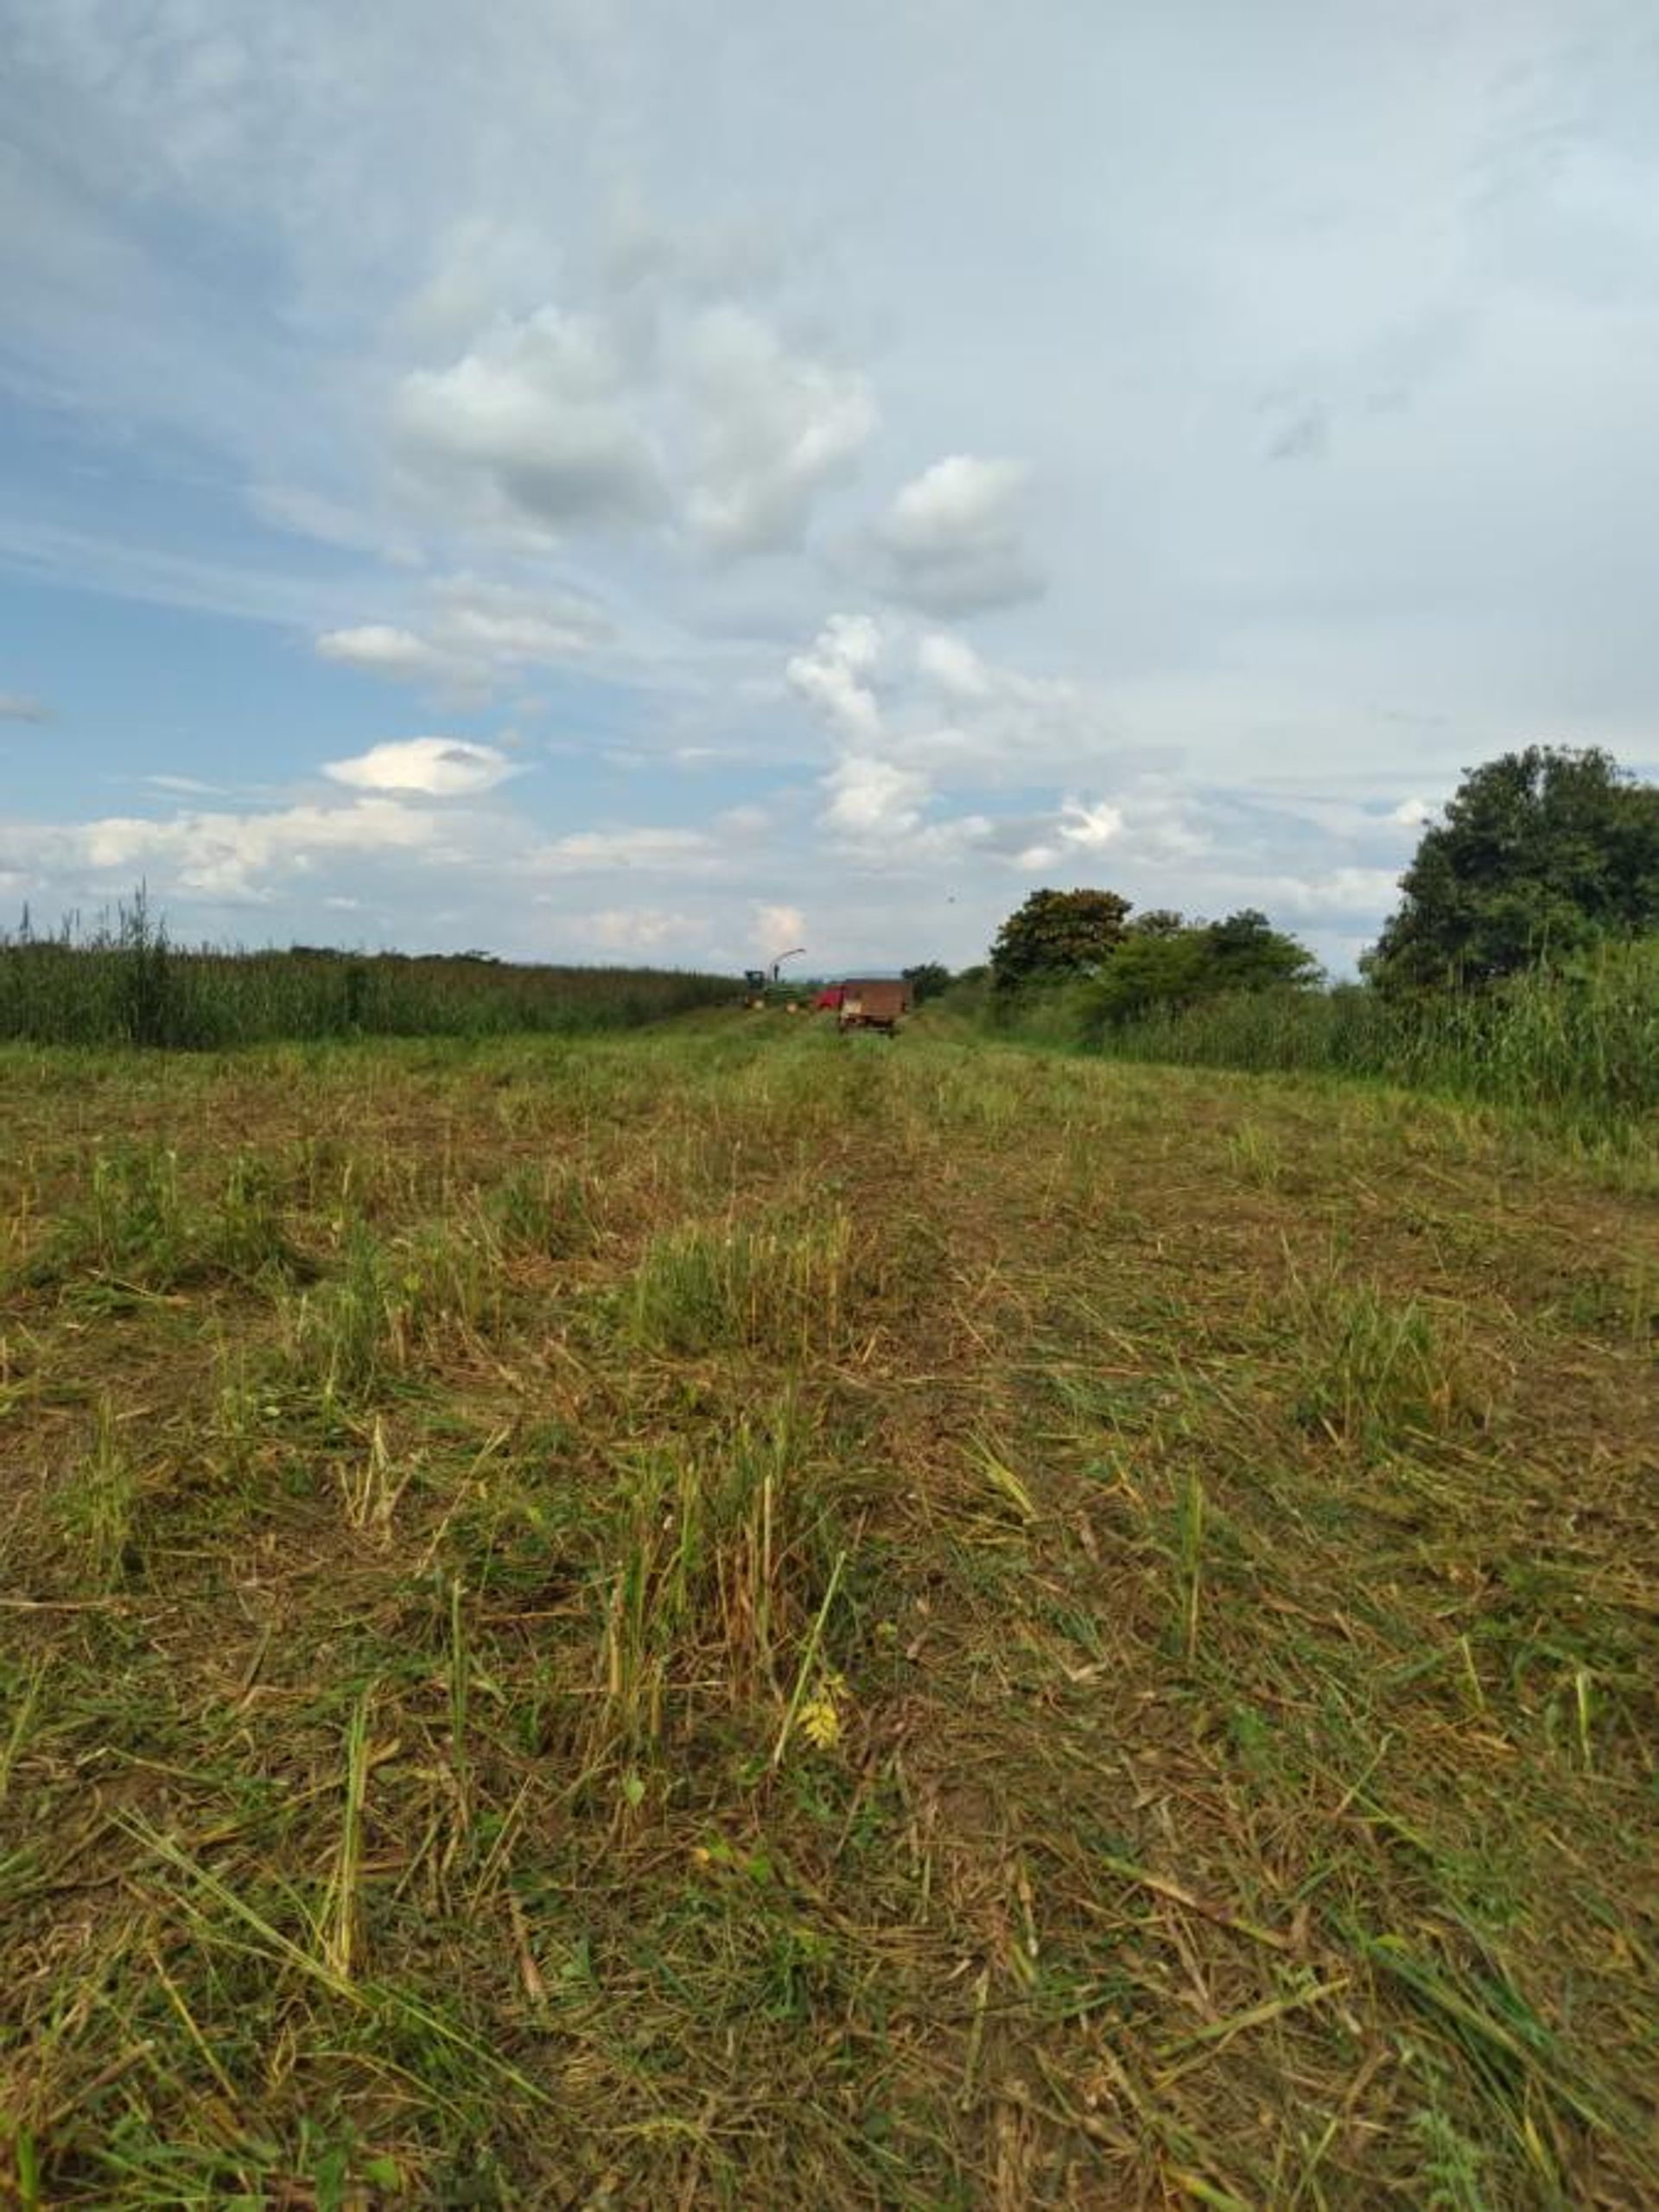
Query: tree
(1541, 852)
(1174, 963)
(1056, 934)
(927, 979)
(1248, 954)
(1158, 921)
(1160, 968)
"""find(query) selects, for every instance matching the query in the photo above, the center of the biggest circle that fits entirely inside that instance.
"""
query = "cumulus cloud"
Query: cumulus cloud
(1089, 827)
(772, 427)
(834, 675)
(632, 412)
(778, 929)
(535, 418)
(223, 856)
(1412, 813)
(932, 703)
(1081, 828)
(441, 767)
(954, 538)
(923, 729)
(875, 798)
(945, 719)
(17, 706)
(953, 667)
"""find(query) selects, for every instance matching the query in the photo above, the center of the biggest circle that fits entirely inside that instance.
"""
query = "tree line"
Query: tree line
(1541, 857)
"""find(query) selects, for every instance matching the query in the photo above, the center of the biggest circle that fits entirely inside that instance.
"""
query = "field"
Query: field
(727, 1617)
(126, 983)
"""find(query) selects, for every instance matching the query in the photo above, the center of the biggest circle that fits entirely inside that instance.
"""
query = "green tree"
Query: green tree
(1542, 854)
(927, 979)
(1158, 921)
(1056, 934)
(1248, 954)
(1174, 963)
(1164, 968)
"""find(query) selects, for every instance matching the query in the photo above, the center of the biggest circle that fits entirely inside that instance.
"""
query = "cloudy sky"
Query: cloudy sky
(620, 478)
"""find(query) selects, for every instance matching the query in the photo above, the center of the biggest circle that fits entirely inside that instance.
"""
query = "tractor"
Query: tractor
(762, 987)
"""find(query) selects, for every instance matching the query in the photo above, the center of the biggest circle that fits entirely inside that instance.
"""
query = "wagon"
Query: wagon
(874, 1004)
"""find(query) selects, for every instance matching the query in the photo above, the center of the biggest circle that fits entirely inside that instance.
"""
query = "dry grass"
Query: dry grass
(743, 1618)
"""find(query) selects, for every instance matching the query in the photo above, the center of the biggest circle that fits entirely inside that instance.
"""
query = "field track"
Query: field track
(733, 1618)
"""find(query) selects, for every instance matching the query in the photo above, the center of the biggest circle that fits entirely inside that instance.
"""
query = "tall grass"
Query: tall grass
(125, 982)
(1580, 1047)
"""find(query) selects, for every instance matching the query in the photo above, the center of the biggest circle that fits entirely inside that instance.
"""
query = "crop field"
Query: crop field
(728, 1617)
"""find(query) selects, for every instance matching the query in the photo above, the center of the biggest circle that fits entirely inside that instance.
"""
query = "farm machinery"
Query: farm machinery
(867, 1002)
(764, 987)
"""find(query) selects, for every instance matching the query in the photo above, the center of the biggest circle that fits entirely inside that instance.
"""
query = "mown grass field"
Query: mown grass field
(735, 1617)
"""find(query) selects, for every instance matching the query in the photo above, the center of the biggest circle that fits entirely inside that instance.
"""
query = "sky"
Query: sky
(621, 480)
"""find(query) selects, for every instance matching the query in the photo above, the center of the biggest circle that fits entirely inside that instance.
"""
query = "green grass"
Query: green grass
(1578, 1051)
(731, 1615)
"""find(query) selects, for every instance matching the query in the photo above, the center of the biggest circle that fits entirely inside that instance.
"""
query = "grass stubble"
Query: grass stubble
(740, 1618)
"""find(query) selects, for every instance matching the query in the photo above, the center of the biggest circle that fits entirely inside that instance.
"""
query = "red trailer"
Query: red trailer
(879, 1002)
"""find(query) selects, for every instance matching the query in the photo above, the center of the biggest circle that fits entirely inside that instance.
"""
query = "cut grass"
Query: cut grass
(729, 1617)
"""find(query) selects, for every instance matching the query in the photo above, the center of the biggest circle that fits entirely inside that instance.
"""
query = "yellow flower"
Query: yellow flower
(820, 1717)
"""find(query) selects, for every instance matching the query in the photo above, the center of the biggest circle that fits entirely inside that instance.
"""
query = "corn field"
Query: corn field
(126, 982)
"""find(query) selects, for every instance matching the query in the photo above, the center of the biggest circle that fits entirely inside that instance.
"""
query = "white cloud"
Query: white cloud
(1412, 813)
(475, 633)
(595, 851)
(635, 412)
(186, 786)
(870, 797)
(235, 857)
(778, 929)
(772, 427)
(1355, 893)
(441, 767)
(943, 710)
(1090, 827)
(953, 666)
(17, 706)
(954, 538)
(535, 422)
(640, 929)
(506, 625)
(834, 675)
(385, 650)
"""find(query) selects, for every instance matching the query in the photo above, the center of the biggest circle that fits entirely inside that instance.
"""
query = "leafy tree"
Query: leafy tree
(927, 979)
(1158, 921)
(1176, 962)
(1541, 852)
(1056, 934)
(1164, 969)
(1248, 954)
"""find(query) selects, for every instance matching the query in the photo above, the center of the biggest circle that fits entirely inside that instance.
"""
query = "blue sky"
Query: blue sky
(602, 480)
